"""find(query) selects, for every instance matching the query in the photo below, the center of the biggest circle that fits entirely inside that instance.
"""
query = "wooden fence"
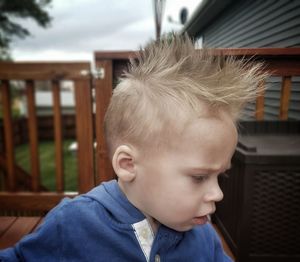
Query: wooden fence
(94, 165)
(280, 62)
(79, 73)
(45, 130)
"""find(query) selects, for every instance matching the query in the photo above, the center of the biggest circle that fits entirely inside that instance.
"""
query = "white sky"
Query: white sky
(80, 27)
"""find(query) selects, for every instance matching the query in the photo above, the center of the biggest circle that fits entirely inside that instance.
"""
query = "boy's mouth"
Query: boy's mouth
(200, 220)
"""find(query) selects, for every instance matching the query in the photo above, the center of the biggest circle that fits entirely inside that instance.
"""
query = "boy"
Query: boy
(170, 130)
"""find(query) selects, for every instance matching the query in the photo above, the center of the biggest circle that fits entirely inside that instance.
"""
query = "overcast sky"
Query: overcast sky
(80, 27)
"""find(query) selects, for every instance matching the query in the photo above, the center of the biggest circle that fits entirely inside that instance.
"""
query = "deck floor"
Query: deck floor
(12, 229)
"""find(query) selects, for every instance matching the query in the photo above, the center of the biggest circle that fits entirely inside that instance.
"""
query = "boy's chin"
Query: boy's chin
(198, 221)
(181, 228)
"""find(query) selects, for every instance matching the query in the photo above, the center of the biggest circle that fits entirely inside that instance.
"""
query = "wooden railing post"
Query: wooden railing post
(285, 97)
(33, 136)
(11, 182)
(59, 160)
(280, 62)
(103, 92)
(85, 139)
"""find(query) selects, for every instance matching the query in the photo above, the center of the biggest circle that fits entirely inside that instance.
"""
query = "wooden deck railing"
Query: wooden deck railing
(279, 62)
(12, 198)
(94, 165)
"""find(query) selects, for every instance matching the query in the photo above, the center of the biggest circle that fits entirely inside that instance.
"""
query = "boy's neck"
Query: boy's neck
(152, 221)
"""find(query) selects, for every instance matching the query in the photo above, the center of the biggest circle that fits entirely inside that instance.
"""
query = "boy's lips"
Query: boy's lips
(200, 220)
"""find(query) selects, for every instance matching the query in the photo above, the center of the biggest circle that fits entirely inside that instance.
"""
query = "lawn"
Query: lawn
(47, 164)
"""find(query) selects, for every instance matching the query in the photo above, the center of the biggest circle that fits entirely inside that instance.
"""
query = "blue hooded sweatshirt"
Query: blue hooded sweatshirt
(103, 225)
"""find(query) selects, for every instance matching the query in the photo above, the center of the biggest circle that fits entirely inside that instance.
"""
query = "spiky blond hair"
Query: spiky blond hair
(168, 84)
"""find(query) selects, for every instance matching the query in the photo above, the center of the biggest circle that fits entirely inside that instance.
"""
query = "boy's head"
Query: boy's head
(170, 128)
(169, 84)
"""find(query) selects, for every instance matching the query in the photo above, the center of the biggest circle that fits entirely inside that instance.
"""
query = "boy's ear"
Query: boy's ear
(123, 163)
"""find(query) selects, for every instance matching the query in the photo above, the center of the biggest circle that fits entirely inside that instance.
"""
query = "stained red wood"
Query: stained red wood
(19, 228)
(277, 61)
(285, 97)
(33, 136)
(44, 70)
(265, 52)
(11, 182)
(282, 62)
(85, 137)
(57, 71)
(5, 223)
(103, 92)
(269, 51)
(24, 201)
(113, 55)
(59, 170)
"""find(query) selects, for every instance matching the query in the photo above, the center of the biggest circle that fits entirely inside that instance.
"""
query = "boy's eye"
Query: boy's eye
(199, 179)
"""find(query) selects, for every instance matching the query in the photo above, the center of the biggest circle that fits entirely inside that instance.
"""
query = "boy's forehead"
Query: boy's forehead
(205, 144)
(213, 129)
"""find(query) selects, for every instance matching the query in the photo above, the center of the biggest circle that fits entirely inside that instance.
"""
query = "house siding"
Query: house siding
(254, 24)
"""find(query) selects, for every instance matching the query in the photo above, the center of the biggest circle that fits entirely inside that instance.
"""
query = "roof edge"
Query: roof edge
(204, 14)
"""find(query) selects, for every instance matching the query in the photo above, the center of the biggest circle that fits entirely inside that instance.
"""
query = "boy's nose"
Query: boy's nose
(214, 194)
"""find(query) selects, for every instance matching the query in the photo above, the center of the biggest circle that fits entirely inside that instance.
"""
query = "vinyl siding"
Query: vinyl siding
(294, 107)
(256, 24)
(253, 24)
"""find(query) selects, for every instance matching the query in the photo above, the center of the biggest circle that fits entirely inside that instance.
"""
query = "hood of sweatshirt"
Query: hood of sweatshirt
(110, 196)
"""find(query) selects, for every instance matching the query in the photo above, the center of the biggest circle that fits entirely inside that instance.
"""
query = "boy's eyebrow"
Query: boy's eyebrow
(208, 169)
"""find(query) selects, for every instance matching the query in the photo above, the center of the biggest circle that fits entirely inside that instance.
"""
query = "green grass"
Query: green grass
(47, 164)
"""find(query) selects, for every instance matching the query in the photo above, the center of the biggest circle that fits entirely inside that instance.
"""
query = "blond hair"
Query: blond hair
(170, 79)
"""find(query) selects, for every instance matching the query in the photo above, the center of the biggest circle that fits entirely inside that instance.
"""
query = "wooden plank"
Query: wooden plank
(114, 55)
(278, 61)
(282, 52)
(269, 51)
(11, 182)
(28, 201)
(5, 223)
(290, 66)
(44, 70)
(260, 102)
(59, 170)
(21, 227)
(33, 136)
(85, 137)
(285, 97)
(103, 92)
